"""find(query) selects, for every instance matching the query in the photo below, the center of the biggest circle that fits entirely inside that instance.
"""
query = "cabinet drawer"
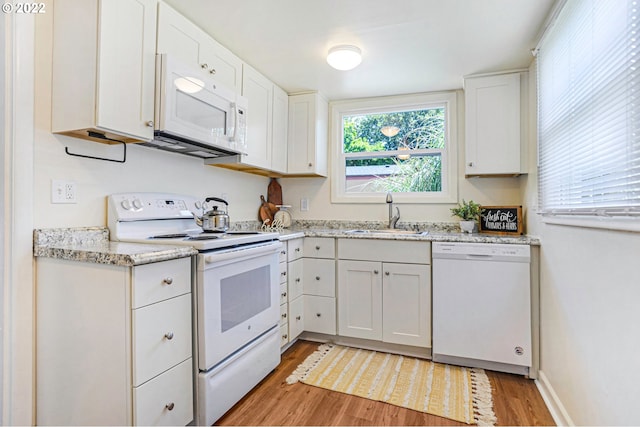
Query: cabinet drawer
(160, 281)
(296, 318)
(284, 316)
(161, 337)
(385, 250)
(319, 247)
(284, 335)
(283, 293)
(282, 255)
(166, 400)
(295, 279)
(320, 314)
(295, 249)
(319, 277)
(283, 272)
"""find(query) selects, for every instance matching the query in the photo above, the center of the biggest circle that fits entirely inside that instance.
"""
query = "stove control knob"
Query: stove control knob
(126, 204)
(137, 203)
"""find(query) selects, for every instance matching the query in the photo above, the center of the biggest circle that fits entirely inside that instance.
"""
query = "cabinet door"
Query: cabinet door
(492, 109)
(319, 277)
(178, 37)
(360, 299)
(258, 91)
(220, 64)
(406, 306)
(320, 314)
(182, 39)
(279, 131)
(308, 121)
(126, 67)
(295, 272)
(296, 318)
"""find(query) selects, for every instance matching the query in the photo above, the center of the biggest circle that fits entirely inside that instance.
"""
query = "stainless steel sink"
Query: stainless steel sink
(388, 231)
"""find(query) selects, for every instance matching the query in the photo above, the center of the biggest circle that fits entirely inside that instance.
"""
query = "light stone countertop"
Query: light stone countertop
(91, 244)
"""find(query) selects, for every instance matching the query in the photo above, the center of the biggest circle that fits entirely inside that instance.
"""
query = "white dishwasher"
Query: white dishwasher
(482, 305)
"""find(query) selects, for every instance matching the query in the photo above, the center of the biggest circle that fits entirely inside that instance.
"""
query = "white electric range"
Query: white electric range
(236, 301)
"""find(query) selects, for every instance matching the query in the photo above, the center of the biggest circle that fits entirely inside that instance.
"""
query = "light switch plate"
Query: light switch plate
(63, 191)
(304, 204)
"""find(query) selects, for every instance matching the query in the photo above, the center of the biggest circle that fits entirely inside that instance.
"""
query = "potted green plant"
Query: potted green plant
(468, 212)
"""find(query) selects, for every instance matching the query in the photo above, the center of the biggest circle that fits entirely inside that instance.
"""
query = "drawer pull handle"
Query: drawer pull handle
(297, 279)
(386, 273)
(169, 335)
(284, 315)
(170, 406)
(298, 318)
(317, 248)
(375, 271)
(318, 315)
(317, 277)
(297, 249)
(283, 252)
(285, 336)
(167, 281)
(204, 66)
(284, 294)
(284, 273)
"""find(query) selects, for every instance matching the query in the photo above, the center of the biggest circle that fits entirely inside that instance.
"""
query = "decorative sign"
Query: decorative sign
(501, 219)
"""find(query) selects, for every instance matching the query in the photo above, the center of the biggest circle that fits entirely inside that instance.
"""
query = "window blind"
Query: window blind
(588, 110)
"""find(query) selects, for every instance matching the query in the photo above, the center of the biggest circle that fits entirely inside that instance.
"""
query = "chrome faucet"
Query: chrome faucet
(393, 219)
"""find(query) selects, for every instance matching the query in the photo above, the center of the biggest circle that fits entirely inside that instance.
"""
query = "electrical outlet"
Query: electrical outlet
(304, 204)
(63, 191)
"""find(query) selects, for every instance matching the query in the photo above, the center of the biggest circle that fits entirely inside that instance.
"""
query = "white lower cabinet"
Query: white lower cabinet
(114, 343)
(320, 314)
(385, 301)
(296, 317)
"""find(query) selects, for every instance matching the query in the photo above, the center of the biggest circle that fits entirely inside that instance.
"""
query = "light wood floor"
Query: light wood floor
(274, 402)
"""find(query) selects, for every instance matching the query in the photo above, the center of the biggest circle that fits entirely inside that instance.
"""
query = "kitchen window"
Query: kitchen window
(588, 116)
(405, 145)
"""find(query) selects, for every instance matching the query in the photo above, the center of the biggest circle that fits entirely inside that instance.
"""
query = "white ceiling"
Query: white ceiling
(408, 46)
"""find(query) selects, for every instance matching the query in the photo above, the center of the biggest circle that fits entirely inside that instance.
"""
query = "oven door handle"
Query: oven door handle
(241, 254)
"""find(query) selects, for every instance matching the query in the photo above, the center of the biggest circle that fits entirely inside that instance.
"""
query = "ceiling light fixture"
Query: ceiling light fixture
(344, 57)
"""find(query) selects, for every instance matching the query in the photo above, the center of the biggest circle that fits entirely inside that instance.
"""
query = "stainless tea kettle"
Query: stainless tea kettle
(215, 220)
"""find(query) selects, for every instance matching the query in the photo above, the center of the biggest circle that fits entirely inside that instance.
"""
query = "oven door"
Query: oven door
(196, 108)
(237, 299)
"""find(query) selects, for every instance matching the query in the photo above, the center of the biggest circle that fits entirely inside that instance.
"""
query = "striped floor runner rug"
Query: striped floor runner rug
(461, 394)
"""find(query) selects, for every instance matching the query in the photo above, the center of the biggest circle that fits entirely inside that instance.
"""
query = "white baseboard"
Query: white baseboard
(551, 399)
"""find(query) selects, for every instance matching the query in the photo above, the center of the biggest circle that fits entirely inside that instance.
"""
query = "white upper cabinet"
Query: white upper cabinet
(308, 121)
(494, 107)
(180, 38)
(259, 92)
(103, 68)
(279, 130)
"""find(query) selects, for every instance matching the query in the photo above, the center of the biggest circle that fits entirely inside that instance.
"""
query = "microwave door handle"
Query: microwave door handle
(235, 121)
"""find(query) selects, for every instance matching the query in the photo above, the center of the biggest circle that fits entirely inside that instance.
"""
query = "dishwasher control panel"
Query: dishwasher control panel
(487, 250)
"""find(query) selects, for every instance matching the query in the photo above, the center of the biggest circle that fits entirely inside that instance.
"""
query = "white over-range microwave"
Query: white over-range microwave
(196, 115)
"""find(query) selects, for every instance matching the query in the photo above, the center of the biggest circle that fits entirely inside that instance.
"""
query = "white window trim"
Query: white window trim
(338, 109)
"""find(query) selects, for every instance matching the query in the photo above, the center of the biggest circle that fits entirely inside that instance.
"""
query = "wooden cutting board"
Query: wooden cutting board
(274, 192)
(266, 211)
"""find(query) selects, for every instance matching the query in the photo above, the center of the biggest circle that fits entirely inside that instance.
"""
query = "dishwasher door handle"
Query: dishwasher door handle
(479, 256)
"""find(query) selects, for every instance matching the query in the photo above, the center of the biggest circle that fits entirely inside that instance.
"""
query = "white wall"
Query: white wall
(590, 317)
(146, 169)
(487, 191)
